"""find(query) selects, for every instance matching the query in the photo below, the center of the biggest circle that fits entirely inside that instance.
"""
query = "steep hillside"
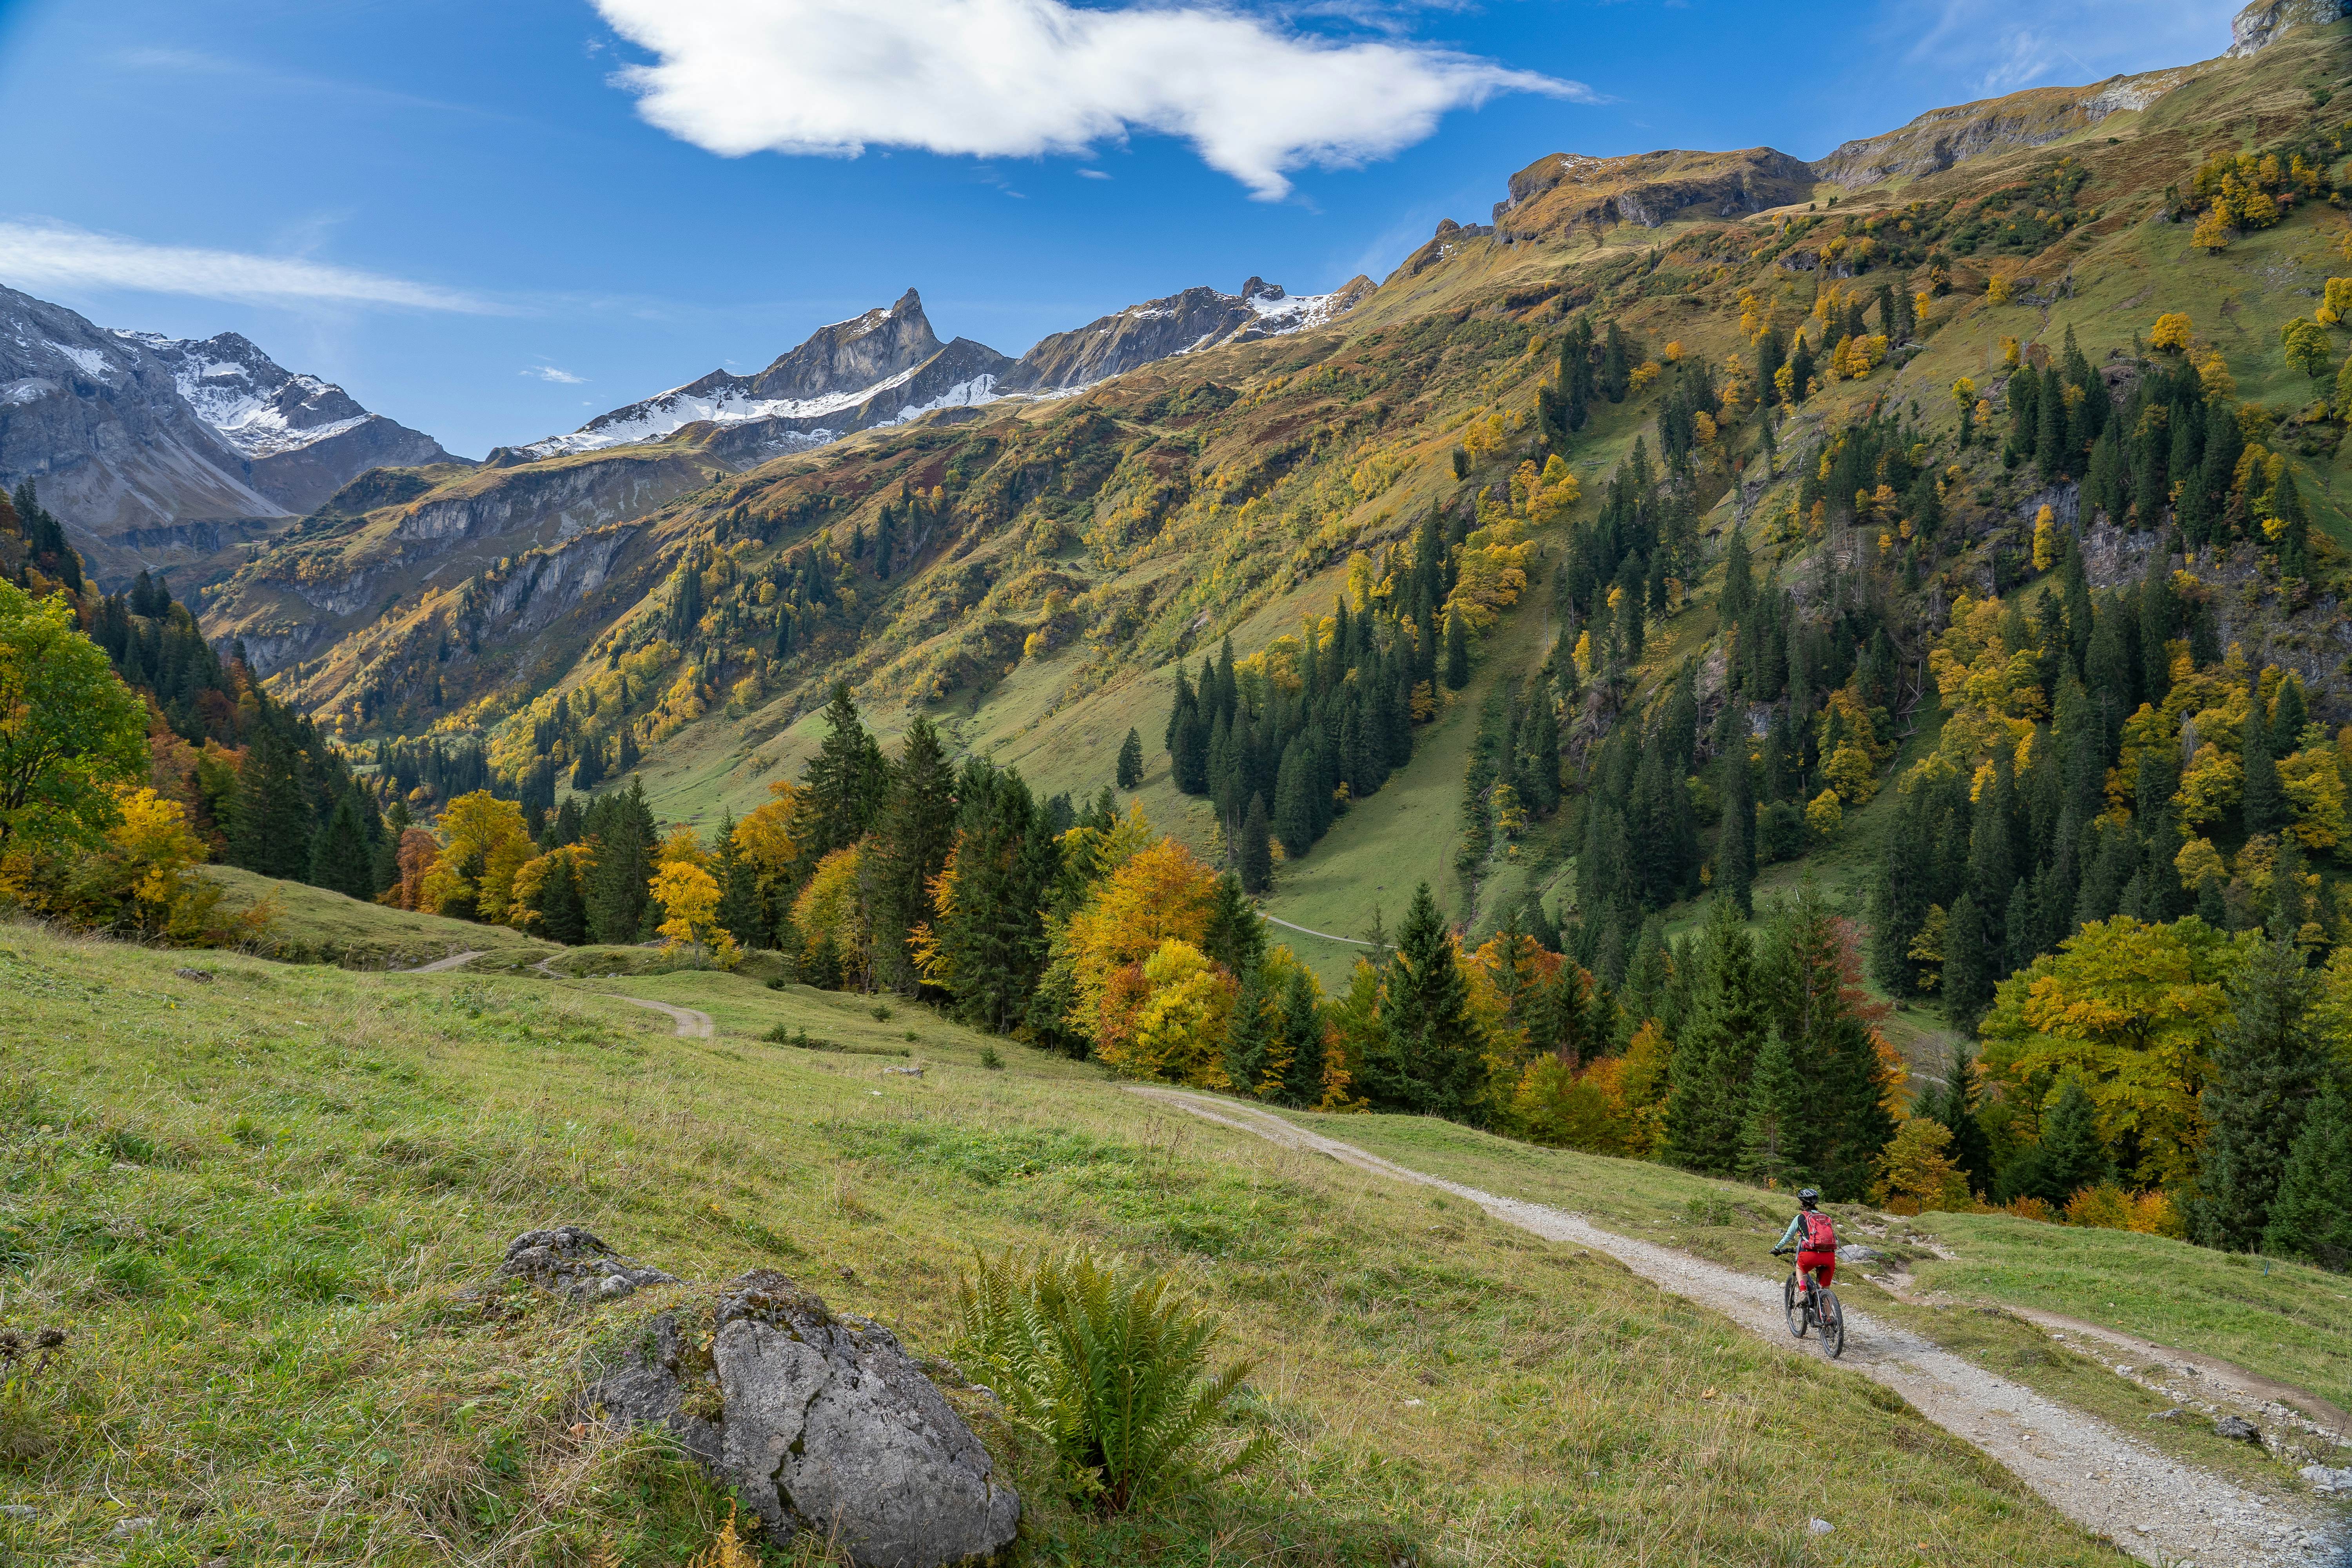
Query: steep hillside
(1028, 572)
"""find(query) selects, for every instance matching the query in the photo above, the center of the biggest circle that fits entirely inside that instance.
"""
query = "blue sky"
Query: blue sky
(492, 221)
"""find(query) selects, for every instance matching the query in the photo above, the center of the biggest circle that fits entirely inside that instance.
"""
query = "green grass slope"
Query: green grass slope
(256, 1203)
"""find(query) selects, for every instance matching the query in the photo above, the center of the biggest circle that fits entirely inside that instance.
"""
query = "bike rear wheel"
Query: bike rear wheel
(1833, 1321)
(1793, 1302)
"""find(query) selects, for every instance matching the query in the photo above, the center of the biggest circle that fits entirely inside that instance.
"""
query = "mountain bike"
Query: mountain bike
(1809, 1305)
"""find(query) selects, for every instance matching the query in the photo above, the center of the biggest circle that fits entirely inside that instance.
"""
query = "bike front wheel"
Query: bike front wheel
(1833, 1321)
(1793, 1302)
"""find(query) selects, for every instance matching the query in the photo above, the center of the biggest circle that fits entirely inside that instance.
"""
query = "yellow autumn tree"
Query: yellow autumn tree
(2131, 1008)
(688, 897)
(2045, 539)
(1179, 1034)
(483, 843)
(1161, 893)
(831, 910)
(2172, 330)
(764, 838)
(1915, 1173)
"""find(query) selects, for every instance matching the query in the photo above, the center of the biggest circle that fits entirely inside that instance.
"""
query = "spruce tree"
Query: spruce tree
(1738, 579)
(563, 916)
(1968, 959)
(621, 831)
(2270, 1062)
(269, 815)
(2311, 1217)
(2263, 802)
(1955, 1105)
(2070, 1156)
(1433, 1059)
(1258, 849)
(1131, 761)
(339, 856)
(1235, 936)
(1775, 1136)
(916, 832)
(1715, 1054)
(845, 788)
(1735, 854)
(1302, 1041)
(1457, 655)
(1251, 1033)
(740, 911)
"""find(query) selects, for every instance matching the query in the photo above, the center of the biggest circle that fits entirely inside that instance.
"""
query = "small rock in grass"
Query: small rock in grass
(22, 1511)
(1819, 1526)
(571, 1261)
(2237, 1429)
(1854, 1252)
(2325, 1479)
(201, 976)
(125, 1528)
(2171, 1415)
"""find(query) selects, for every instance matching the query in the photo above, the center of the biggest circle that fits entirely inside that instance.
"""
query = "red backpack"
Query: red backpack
(1821, 1232)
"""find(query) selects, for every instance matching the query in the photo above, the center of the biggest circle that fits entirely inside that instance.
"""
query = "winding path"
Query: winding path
(1302, 930)
(2158, 1509)
(693, 1023)
(443, 965)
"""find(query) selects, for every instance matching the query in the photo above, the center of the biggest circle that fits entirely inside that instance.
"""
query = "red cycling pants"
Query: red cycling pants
(1824, 1261)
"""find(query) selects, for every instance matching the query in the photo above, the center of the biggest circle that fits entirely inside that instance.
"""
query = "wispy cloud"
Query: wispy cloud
(1092, 175)
(2001, 45)
(52, 255)
(549, 373)
(1025, 77)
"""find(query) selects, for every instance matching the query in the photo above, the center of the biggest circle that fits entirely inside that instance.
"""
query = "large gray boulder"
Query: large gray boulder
(819, 1421)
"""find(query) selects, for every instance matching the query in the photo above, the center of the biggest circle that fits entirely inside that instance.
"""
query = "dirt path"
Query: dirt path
(692, 1022)
(1302, 930)
(2159, 1509)
(2184, 1377)
(442, 966)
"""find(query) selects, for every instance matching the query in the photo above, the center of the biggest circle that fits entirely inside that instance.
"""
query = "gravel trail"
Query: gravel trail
(442, 966)
(2160, 1509)
(693, 1023)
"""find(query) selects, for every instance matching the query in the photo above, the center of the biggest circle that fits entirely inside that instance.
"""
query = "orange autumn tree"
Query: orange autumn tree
(1159, 894)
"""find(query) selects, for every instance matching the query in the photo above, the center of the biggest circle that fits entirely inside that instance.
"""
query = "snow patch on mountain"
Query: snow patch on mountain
(669, 412)
(91, 361)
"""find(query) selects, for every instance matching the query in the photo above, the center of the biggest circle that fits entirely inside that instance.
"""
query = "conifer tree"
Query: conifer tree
(339, 856)
(1735, 854)
(1715, 1054)
(621, 827)
(1774, 1138)
(2269, 1065)
(1252, 1032)
(1955, 1105)
(1430, 1056)
(2264, 803)
(740, 912)
(1738, 580)
(1457, 655)
(269, 817)
(1302, 1041)
(916, 831)
(1235, 936)
(2311, 1217)
(1258, 849)
(1967, 977)
(845, 788)
(563, 916)
(2070, 1156)
(1131, 761)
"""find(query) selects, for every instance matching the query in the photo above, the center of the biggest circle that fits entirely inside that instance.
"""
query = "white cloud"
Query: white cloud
(549, 373)
(1023, 77)
(1092, 175)
(52, 255)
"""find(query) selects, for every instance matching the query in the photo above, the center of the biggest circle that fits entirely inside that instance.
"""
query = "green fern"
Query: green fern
(1108, 1361)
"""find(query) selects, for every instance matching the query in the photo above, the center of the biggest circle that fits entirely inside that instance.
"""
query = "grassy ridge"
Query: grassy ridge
(256, 1201)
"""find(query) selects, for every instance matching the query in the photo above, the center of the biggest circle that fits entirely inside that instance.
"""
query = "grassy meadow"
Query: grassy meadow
(256, 1201)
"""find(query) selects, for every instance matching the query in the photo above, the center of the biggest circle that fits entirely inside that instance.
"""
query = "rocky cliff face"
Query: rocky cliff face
(162, 453)
(1180, 323)
(2259, 24)
(1566, 191)
(1943, 137)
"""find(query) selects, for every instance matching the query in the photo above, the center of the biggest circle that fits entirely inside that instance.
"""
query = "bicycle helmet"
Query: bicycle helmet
(1809, 1196)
